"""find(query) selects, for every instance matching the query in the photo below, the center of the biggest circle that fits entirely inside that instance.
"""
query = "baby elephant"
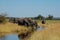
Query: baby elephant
(43, 21)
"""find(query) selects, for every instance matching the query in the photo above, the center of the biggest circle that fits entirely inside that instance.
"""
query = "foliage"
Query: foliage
(3, 18)
(40, 17)
(50, 17)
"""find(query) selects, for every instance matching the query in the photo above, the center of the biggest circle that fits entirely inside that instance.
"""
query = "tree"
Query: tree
(40, 17)
(50, 17)
(3, 17)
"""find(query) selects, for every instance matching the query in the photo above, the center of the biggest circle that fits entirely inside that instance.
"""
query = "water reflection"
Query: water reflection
(10, 37)
(41, 28)
(15, 36)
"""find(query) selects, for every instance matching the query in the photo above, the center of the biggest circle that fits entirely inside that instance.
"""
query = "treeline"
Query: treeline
(3, 17)
(50, 17)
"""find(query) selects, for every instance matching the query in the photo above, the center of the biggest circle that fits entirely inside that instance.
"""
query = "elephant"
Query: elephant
(12, 20)
(24, 22)
(43, 21)
(32, 23)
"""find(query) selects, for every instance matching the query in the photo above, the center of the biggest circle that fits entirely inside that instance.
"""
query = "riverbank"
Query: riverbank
(52, 33)
(9, 28)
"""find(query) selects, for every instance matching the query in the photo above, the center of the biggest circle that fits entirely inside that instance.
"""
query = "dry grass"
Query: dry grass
(52, 33)
(9, 28)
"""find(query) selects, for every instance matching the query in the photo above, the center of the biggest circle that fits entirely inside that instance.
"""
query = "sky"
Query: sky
(30, 8)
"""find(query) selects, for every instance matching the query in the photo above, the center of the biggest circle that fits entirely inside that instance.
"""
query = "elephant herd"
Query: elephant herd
(27, 22)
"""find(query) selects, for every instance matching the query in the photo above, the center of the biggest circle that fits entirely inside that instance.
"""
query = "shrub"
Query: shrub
(2, 18)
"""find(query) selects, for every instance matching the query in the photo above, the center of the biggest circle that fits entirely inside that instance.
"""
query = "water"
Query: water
(10, 37)
(15, 36)
(41, 28)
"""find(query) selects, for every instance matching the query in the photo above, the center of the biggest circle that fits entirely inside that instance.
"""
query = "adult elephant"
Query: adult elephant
(32, 23)
(20, 21)
(24, 21)
(13, 20)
